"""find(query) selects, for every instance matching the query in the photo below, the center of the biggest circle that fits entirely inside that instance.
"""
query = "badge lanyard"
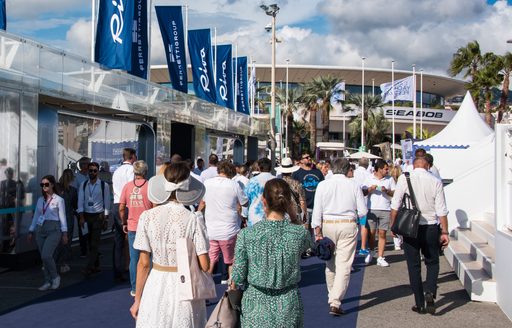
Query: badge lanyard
(45, 207)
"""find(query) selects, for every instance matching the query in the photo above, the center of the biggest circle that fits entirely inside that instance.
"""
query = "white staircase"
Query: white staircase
(472, 255)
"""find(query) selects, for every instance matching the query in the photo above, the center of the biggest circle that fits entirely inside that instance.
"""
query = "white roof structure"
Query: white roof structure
(465, 129)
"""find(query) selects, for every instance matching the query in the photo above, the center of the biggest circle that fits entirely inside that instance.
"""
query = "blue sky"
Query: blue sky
(314, 32)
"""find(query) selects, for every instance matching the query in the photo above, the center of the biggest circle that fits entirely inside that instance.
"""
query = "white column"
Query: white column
(286, 100)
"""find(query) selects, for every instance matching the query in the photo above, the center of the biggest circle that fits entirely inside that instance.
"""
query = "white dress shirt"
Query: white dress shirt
(429, 194)
(53, 210)
(338, 198)
(93, 194)
(210, 172)
(122, 175)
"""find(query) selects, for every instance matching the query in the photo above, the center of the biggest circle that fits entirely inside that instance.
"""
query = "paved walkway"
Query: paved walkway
(378, 297)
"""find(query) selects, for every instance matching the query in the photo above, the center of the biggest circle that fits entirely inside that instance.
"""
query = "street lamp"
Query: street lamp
(362, 148)
(286, 101)
(272, 11)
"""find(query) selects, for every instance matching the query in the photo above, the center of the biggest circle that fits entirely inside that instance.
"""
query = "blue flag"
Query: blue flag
(113, 47)
(200, 51)
(224, 81)
(242, 92)
(171, 25)
(3, 18)
(140, 40)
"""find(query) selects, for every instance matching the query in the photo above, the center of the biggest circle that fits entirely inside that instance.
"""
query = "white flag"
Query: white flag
(338, 93)
(252, 82)
(404, 90)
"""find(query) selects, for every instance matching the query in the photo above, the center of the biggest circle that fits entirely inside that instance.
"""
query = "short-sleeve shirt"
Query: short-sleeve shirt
(135, 196)
(379, 200)
(254, 191)
(309, 180)
(222, 198)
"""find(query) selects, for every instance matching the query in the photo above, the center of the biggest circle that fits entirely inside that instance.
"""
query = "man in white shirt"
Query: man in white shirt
(122, 175)
(432, 233)
(379, 187)
(211, 171)
(361, 173)
(254, 191)
(339, 201)
(222, 199)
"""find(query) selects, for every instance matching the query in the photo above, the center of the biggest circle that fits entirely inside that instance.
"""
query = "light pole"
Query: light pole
(286, 101)
(272, 11)
(362, 148)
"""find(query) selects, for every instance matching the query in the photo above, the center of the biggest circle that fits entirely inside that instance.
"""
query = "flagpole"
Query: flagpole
(373, 87)
(236, 77)
(149, 39)
(93, 26)
(215, 55)
(186, 30)
(393, 108)
(421, 104)
(286, 136)
(414, 102)
(363, 148)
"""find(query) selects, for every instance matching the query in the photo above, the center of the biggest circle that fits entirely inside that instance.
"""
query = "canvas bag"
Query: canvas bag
(227, 312)
(193, 283)
(407, 220)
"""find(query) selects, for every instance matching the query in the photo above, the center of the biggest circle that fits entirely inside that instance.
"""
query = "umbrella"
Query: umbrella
(361, 154)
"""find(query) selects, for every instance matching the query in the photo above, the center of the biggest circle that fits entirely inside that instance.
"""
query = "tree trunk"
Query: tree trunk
(312, 127)
(504, 96)
(488, 115)
(325, 124)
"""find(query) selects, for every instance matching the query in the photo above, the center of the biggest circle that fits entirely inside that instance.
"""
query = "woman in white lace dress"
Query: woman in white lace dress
(156, 304)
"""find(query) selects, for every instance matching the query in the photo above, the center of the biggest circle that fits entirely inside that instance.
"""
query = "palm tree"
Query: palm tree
(294, 95)
(425, 134)
(467, 58)
(485, 79)
(376, 124)
(506, 69)
(317, 95)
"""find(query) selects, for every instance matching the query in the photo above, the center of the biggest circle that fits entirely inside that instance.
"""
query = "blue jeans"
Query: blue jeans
(134, 259)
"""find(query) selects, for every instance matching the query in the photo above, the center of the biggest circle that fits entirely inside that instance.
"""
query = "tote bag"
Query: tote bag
(407, 220)
(227, 312)
(193, 283)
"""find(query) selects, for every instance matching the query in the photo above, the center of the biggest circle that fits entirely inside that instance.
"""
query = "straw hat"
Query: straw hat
(287, 166)
(188, 192)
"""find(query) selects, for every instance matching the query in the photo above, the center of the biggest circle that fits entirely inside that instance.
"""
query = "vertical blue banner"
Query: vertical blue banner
(3, 18)
(242, 103)
(113, 47)
(224, 81)
(200, 51)
(140, 40)
(170, 21)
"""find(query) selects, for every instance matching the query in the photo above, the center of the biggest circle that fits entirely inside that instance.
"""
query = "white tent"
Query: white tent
(465, 129)
(451, 146)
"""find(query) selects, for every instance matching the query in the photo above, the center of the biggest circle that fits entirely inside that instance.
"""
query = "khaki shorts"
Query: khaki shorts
(376, 219)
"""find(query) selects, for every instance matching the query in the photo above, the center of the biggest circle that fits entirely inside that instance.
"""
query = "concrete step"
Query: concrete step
(478, 248)
(485, 230)
(475, 279)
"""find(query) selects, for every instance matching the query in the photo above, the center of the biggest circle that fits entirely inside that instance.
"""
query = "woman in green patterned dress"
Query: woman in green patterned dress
(267, 260)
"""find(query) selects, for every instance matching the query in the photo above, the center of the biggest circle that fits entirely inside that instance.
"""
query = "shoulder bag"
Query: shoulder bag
(227, 312)
(193, 283)
(408, 218)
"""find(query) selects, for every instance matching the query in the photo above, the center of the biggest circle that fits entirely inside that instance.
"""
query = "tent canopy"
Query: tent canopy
(464, 130)
(361, 154)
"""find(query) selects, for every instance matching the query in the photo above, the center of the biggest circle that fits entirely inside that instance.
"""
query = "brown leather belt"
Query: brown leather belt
(162, 268)
(339, 221)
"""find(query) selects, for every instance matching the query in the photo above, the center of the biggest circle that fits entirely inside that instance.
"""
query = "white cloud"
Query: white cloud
(79, 38)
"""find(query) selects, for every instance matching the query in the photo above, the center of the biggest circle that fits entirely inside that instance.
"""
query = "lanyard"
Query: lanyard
(45, 207)
(91, 192)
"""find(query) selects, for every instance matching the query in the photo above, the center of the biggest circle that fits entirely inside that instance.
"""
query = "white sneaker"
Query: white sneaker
(55, 283)
(368, 259)
(398, 248)
(382, 262)
(45, 286)
(64, 268)
(224, 282)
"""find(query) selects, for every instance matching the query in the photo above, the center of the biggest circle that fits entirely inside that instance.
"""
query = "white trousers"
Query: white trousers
(337, 269)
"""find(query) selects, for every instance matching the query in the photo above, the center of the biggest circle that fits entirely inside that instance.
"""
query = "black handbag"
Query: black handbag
(407, 220)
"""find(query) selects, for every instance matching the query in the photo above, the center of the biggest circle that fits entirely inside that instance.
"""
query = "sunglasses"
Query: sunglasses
(46, 184)
(93, 171)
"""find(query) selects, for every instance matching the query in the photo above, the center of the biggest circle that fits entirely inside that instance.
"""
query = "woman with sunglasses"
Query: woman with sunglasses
(49, 223)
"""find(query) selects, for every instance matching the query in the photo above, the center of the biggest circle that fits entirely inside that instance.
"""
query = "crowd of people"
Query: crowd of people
(255, 224)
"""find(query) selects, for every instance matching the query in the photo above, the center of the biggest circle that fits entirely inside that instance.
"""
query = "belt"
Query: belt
(162, 268)
(339, 221)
